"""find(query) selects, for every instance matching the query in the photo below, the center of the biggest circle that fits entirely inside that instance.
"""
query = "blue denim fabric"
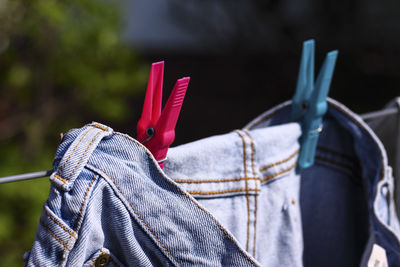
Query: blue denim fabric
(229, 200)
(347, 195)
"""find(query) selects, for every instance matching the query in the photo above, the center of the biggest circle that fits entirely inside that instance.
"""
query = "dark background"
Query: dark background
(243, 56)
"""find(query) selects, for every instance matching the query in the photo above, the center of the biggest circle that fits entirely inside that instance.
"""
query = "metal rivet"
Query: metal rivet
(102, 260)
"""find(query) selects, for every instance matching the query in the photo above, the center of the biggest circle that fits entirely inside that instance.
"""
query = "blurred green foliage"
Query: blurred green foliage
(62, 63)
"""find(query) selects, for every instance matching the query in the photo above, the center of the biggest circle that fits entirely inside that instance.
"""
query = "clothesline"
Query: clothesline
(42, 174)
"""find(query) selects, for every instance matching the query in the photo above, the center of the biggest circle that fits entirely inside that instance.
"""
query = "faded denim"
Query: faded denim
(228, 200)
(346, 197)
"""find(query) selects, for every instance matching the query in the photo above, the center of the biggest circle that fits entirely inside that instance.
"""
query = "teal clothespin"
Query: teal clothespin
(309, 102)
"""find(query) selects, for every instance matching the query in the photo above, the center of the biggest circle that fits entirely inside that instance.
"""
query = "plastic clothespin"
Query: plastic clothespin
(309, 102)
(156, 129)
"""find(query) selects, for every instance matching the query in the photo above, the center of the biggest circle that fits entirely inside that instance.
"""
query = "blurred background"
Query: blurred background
(66, 63)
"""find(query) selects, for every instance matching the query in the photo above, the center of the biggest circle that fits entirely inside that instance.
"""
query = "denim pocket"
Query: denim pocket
(102, 258)
(56, 239)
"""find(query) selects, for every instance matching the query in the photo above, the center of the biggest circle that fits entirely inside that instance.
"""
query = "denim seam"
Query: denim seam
(72, 152)
(60, 178)
(279, 173)
(81, 208)
(65, 245)
(247, 192)
(252, 152)
(336, 163)
(233, 180)
(333, 152)
(364, 130)
(255, 195)
(140, 218)
(216, 181)
(73, 234)
(280, 162)
(382, 174)
(191, 200)
(375, 215)
(186, 195)
(84, 153)
(137, 214)
(219, 226)
(100, 127)
(84, 202)
(223, 191)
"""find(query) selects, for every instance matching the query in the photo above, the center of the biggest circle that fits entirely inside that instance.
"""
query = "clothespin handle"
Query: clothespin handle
(164, 131)
(309, 103)
(152, 102)
(305, 80)
(317, 109)
(156, 129)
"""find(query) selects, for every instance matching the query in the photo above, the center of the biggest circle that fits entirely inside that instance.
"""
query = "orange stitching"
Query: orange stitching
(57, 222)
(185, 195)
(59, 177)
(100, 127)
(255, 222)
(55, 236)
(216, 181)
(84, 153)
(76, 146)
(222, 191)
(81, 208)
(84, 202)
(281, 161)
(216, 222)
(140, 218)
(252, 151)
(247, 193)
(256, 195)
(279, 173)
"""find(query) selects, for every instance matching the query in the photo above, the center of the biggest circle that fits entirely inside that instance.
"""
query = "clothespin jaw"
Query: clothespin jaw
(309, 101)
(156, 129)
(305, 80)
(152, 102)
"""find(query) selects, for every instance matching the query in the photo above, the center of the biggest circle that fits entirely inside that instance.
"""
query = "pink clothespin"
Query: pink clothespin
(156, 129)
